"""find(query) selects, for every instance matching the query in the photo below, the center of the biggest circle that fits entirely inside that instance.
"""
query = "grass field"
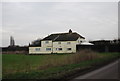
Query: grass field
(50, 66)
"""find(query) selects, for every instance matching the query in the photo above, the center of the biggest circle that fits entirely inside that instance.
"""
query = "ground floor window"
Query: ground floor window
(48, 49)
(69, 49)
(59, 49)
(37, 49)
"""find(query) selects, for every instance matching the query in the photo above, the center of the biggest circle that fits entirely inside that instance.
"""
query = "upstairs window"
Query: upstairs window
(37, 49)
(69, 49)
(59, 42)
(48, 49)
(46, 42)
(80, 41)
(68, 42)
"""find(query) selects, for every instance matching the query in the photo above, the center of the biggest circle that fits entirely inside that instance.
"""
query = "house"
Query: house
(57, 43)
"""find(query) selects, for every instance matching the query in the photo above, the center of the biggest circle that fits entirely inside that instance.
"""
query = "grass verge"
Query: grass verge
(73, 63)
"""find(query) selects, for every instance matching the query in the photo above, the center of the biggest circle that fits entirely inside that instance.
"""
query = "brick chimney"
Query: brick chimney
(70, 31)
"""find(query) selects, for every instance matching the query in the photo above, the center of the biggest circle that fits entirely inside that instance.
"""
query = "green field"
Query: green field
(50, 66)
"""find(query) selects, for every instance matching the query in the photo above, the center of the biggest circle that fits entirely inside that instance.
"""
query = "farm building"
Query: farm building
(57, 43)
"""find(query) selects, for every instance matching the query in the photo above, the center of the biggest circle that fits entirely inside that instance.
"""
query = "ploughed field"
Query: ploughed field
(50, 66)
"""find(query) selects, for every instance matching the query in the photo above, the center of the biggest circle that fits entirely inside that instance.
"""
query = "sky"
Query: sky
(28, 21)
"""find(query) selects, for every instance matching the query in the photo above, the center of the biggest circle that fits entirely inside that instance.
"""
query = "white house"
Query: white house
(57, 43)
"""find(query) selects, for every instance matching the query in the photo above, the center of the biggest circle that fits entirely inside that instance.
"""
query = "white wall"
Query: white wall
(44, 44)
(53, 45)
(32, 50)
(64, 47)
(79, 40)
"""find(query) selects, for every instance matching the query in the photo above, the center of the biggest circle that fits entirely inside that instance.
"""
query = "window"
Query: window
(69, 49)
(80, 41)
(48, 49)
(59, 49)
(56, 48)
(46, 42)
(37, 49)
(59, 42)
(68, 42)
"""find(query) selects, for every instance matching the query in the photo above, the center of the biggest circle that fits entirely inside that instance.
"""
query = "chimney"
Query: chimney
(70, 31)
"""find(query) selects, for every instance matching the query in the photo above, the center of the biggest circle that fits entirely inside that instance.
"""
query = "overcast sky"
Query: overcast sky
(27, 21)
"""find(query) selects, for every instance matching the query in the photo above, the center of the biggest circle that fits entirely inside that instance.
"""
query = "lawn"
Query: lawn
(12, 63)
(50, 66)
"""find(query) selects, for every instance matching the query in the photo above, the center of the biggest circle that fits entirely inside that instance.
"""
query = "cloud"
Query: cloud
(6, 31)
(27, 21)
